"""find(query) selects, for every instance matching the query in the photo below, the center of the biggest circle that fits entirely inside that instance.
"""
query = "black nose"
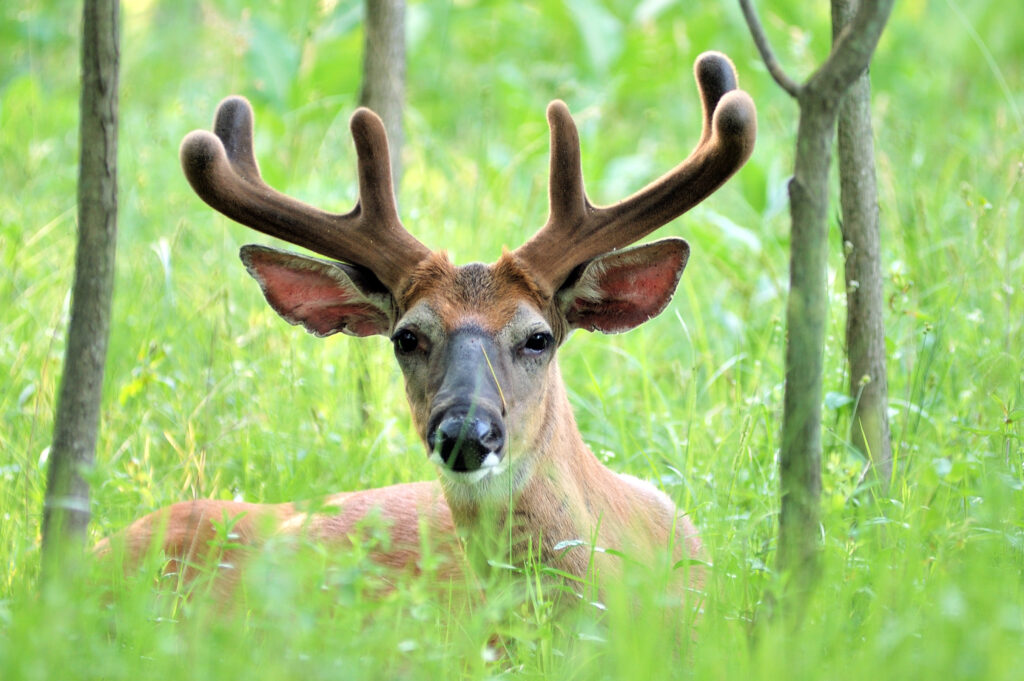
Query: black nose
(463, 441)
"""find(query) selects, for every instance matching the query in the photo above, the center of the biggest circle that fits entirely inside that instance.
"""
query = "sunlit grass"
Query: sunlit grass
(209, 394)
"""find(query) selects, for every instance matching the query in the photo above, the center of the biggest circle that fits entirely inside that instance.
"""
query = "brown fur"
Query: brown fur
(568, 496)
(486, 295)
(191, 532)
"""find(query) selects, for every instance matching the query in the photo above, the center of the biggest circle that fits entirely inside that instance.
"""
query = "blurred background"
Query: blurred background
(209, 394)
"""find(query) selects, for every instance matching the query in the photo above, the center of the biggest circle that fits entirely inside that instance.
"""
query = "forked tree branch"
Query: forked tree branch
(763, 46)
(819, 100)
(850, 55)
(852, 50)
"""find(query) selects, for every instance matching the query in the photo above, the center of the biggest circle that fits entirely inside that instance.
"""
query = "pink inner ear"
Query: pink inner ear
(630, 293)
(317, 301)
(637, 287)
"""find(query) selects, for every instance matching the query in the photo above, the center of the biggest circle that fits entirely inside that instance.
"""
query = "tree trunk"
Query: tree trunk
(383, 88)
(800, 454)
(383, 92)
(66, 510)
(865, 327)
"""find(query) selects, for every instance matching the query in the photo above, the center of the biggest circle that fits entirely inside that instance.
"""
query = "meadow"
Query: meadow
(209, 394)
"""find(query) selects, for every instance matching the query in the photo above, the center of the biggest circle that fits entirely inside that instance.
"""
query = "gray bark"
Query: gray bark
(66, 510)
(865, 324)
(800, 452)
(383, 88)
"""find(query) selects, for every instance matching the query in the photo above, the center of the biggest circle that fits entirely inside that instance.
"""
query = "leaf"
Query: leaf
(273, 60)
(568, 544)
(650, 10)
(942, 467)
(25, 394)
(836, 401)
(731, 230)
(601, 31)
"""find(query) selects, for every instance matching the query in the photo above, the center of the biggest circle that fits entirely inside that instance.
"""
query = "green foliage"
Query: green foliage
(209, 394)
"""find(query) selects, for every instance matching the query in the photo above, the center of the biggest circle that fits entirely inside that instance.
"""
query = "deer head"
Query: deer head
(476, 343)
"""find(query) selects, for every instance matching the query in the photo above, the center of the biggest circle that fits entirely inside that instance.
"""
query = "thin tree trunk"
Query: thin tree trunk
(66, 511)
(800, 453)
(383, 88)
(383, 92)
(865, 325)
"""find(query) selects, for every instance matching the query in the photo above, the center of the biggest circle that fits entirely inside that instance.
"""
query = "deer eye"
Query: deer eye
(537, 343)
(405, 342)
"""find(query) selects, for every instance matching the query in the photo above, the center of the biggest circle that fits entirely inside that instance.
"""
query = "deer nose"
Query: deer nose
(464, 442)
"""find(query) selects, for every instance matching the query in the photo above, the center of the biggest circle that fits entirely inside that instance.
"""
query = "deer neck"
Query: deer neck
(564, 504)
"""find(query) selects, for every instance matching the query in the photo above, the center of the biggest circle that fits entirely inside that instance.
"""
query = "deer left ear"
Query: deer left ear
(618, 291)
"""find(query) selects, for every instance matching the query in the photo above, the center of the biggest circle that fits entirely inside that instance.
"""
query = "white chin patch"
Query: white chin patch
(492, 465)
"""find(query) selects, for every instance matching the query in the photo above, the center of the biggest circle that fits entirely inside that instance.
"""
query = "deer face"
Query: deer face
(476, 344)
(474, 347)
(477, 349)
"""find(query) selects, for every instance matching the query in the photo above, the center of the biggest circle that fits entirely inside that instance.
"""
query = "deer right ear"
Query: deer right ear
(323, 296)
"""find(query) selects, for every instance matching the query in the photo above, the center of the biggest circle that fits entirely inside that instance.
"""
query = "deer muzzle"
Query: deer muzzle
(466, 428)
(465, 442)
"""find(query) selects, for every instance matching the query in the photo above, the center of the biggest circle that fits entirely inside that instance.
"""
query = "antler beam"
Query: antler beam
(577, 231)
(222, 169)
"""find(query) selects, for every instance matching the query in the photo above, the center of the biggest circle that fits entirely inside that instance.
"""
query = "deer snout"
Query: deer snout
(467, 443)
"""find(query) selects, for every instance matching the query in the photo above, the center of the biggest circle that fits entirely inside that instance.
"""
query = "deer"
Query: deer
(476, 345)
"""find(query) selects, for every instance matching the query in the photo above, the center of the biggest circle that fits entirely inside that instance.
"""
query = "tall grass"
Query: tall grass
(208, 394)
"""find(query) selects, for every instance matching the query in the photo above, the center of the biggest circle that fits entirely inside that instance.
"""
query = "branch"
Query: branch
(774, 68)
(852, 49)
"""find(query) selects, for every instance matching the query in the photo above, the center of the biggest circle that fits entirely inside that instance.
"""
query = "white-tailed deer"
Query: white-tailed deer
(476, 344)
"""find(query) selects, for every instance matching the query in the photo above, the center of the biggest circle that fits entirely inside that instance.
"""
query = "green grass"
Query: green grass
(209, 394)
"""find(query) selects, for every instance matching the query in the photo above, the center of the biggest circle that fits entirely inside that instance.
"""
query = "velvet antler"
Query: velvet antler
(577, 231)
(222, 169)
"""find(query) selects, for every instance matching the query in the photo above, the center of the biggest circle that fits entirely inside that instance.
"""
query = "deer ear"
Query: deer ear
(323, 296)
(618, 291)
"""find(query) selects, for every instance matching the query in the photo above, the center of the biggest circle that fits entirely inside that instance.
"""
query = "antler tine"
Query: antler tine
(223, 171)
(566, 195)
(576, 231)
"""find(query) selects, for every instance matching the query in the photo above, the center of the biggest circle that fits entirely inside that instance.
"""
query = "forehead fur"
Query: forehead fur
(487, 294)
